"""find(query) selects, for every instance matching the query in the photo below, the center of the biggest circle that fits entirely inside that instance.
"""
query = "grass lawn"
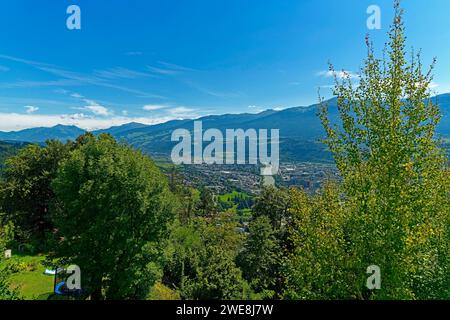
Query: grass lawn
(235, 194)
(31, 281)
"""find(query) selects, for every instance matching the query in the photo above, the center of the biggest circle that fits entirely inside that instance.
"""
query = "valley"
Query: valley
(304, 160)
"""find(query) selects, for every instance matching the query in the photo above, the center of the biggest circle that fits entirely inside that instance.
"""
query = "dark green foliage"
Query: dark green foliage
(207, 204)
(7, 150)
(25, 192)
(218, 277)
(259, 259)
(6, 293)
(200, 259)
(274, 204)
(112, 209)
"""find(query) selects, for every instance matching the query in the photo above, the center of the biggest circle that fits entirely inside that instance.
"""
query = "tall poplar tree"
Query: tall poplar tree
(395, 175)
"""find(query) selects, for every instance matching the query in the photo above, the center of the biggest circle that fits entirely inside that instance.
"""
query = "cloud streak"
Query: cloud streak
(31, 109)
(17, 121)
(343, 74)
(98, 110)
(183, 112)
(121, 73)
(153, 107)
(69, 78)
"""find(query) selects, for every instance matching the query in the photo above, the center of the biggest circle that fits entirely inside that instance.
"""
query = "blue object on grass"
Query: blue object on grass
(58, 288)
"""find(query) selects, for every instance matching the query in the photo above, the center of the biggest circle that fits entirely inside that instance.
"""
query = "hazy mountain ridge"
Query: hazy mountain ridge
(41, 134)
(300, 130)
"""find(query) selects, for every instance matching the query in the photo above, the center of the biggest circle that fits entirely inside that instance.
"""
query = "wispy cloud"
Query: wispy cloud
(80, 79)
(255, 109)
(163, 71)
(169, 69)
(134, 53)
(258, 109)
(15, 103)
(96, 81)
(343, 74)
(153, 107)
(39, 84)
(98, 110)
(433, 85)
(327, 86)
(438, 88)
(91, 105)
(24, 61)
(4, 69)
(172, 70)
(174, 66)
(183, 112)
(31, 109)
(212, 92)
(76, 95)
(177, 112)
(120, 73)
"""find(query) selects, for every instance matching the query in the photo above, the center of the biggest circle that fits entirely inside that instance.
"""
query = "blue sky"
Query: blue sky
(152, 61)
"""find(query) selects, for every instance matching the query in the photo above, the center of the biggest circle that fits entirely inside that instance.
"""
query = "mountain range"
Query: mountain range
(300, 130)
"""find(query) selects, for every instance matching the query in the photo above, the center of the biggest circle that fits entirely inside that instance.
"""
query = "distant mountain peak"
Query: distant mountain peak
(41, 134)
(298, 122)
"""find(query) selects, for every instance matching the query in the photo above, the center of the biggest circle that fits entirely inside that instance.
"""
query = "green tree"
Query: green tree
(183, 255)
(112, 210)
(260, 258)
(25, 193)
(8, 150)
(6, 236)
(218, 277)
(6, 239)
(315, 264)
(207, 205)
(395, 177)
(6, 293)
(190, 199)
(274, 204)
(200, 259)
